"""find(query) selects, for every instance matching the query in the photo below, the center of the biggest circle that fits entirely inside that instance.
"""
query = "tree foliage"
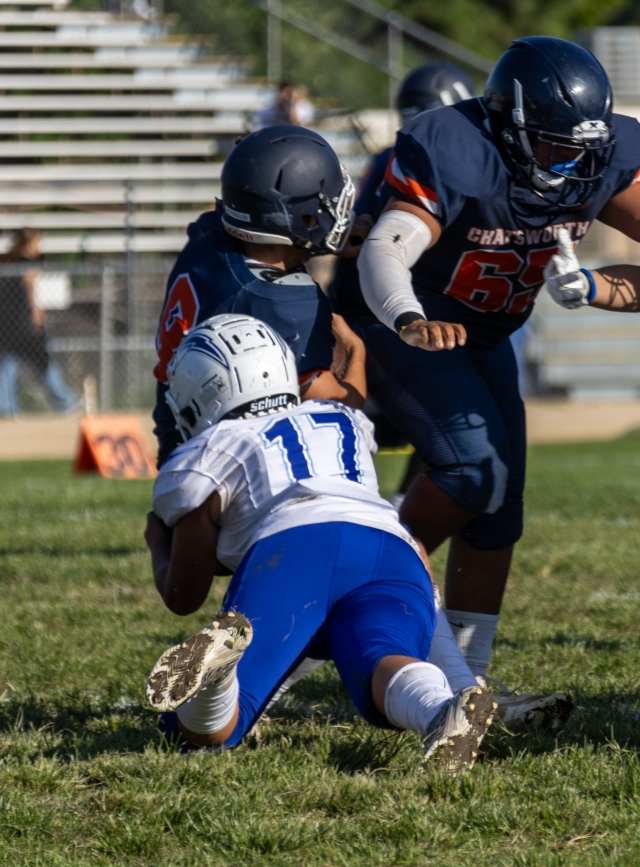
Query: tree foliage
(485, 26)
(489, 26)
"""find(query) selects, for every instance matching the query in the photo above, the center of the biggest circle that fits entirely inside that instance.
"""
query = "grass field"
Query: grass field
(86, 780)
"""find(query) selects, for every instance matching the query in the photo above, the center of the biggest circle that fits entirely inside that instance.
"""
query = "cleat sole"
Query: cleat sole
(460, 730)
(206, 658)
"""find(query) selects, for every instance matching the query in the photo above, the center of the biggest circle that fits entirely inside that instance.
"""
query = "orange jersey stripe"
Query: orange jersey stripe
(309, 375)
(409, 187)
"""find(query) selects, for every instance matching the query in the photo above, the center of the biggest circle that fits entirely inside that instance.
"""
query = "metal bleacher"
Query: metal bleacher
(112, 130)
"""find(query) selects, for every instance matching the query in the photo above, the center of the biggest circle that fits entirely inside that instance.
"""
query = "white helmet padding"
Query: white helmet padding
(230, 366)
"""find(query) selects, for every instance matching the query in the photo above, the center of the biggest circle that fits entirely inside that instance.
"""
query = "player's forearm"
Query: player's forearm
(160, 562)
(187, 585)
(182, 587)
(157, 537)
(394, 245)
(193, 558)
(617, 288)
(354, 382)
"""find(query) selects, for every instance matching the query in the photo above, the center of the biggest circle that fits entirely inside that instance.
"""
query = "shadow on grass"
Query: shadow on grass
(599, 720)
(74, 727)
(321, 697)
(368, 750)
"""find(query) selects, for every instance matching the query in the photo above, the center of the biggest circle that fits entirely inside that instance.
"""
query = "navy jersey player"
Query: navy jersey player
(260, 483)
(428, 86)
(479, 195)
(285, 198)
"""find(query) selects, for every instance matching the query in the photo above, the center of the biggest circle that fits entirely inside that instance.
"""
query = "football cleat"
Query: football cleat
(518, 712)
(206, 658)
(456, 732)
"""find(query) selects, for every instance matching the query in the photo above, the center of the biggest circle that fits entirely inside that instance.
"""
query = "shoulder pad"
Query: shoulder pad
(204, 225)
(459, 147)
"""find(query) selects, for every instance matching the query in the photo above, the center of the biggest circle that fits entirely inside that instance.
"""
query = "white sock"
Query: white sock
(211, 708)
(446, 654)
(474, 634)
(414, 696)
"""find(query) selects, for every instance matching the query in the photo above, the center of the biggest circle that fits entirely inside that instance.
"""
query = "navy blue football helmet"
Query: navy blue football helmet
(284, 185)
(549, 103)
(430, 86)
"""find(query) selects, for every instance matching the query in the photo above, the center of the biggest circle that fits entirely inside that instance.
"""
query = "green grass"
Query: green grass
(86, 780)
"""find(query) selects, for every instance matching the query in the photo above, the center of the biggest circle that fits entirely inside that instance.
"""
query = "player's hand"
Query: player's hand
(434, 336)
(361, 227)
(566, 283)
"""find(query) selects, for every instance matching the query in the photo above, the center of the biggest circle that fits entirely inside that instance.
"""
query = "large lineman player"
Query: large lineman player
(478, 194)
(428, 86)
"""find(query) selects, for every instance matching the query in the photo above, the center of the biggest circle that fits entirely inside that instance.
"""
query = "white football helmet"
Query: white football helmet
(230, 366)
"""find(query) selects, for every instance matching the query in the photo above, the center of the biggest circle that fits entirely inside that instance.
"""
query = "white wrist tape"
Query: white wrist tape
(393, 246)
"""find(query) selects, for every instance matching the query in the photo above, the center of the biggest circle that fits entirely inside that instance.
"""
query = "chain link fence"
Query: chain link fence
(75, 331)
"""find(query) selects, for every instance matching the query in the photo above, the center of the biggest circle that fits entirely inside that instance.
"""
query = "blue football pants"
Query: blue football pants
(336, 591)
(462, 411)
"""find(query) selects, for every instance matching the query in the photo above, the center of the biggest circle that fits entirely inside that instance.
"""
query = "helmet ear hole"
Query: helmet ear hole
(563, 90)
(310, 220)
(189, 416)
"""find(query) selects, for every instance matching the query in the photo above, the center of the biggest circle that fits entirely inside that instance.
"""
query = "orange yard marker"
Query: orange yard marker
(114, 446)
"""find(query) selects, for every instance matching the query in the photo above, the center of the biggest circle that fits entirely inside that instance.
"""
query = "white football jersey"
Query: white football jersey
(308, 465)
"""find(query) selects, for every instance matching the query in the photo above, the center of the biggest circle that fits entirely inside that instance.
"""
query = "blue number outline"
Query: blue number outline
(343, 424)
(282, 429)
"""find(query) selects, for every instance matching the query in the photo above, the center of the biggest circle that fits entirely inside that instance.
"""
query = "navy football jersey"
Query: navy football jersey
(369, 200)
(486, 268)
(211, 276)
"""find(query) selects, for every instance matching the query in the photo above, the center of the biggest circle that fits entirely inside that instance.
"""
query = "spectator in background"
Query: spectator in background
(291, 106)
(22, 332)
(302, 107)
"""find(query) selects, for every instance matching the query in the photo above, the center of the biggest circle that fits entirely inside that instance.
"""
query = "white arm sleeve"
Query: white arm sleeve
(394, 245)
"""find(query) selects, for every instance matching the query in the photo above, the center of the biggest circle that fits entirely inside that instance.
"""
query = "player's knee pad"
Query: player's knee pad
(477, 481)
(503, 528)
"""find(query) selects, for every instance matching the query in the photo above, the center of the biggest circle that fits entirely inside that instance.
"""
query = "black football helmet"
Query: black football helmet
(549, 103)
(284, 185)
(430, 86)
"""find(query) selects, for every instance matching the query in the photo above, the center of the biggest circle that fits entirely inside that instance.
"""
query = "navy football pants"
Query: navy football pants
(336, 591)
(462, 411)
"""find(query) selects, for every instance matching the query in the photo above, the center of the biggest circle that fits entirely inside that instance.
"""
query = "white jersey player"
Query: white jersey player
(286, 495)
